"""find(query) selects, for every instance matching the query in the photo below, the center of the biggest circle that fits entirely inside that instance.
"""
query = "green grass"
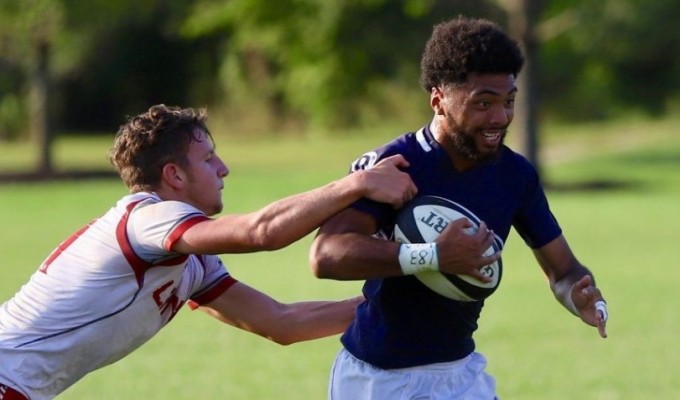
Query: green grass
(627, 234)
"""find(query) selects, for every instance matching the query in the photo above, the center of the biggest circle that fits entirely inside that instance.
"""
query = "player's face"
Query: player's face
(476, 115)
(205, 174)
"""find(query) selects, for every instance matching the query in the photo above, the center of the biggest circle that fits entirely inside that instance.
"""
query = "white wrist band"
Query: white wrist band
(418, 257)
(601, 307)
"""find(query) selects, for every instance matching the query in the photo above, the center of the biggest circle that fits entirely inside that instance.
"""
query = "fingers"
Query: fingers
(386, 182)
(602, 329)
(464, 250)
(601, 309)
(486, 260)
(397, 160)
(407, 195)
(583, 284)
(477, 274)
(412, 190)
(593, 307)
(486, 235)
(601, 317)
(461, 224)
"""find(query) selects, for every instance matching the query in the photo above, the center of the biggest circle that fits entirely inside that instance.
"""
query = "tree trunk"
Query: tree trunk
(523, 18)
(40, 121)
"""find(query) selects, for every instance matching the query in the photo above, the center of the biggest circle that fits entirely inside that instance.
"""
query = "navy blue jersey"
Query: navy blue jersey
(402, 323)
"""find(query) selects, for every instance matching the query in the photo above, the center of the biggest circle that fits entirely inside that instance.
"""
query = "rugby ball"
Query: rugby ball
(421, 221)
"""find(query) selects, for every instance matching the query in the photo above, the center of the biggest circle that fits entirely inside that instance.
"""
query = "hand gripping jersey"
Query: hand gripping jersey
(102, 293)
(402, 323)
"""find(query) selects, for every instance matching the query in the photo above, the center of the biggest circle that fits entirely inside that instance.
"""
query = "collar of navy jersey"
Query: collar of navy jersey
(424, 137)
(428, 143)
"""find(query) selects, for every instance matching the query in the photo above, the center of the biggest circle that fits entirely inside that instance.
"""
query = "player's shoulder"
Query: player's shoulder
(515, 160)
(405, 144)
(137, 199)
(150, 207)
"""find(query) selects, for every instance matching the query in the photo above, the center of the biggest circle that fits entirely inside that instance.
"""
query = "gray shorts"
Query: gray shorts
(465, 379)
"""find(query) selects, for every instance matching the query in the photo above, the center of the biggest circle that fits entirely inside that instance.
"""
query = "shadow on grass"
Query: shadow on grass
(596, 186)
(54, 176)
(654, 165)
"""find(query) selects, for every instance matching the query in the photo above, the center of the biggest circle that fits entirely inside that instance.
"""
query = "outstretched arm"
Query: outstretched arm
(572, 283)
(287, 220)
(251, 310)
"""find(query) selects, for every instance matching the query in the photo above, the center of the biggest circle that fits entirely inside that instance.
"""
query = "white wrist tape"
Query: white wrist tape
(418, 257)
(601, 307)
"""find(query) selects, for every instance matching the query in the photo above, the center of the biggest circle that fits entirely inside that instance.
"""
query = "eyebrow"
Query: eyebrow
(493, 92)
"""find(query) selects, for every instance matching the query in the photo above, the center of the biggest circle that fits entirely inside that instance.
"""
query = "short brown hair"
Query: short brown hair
(148, 141)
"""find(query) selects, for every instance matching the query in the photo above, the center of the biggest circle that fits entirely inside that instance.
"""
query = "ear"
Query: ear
(436, 100)
(173, 176)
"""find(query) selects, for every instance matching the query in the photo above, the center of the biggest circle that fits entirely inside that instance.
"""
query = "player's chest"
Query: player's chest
(489, 196)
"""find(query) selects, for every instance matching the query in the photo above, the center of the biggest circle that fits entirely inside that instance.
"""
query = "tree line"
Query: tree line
(80, 65)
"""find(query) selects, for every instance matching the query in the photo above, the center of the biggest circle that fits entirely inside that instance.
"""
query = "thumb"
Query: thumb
(583, 283)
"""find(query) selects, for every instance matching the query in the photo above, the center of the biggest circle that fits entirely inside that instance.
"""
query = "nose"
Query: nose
(223, 170)
(501, 115)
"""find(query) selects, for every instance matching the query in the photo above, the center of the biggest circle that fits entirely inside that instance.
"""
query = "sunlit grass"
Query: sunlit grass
(626, 233)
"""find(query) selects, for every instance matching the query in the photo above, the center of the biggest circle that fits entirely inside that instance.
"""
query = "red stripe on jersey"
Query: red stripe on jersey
(62, 247)
(213, 293)
(181, 228)
(138, 265)
(7, 393)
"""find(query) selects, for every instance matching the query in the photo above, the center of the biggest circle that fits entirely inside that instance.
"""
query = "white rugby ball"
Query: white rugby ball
(421, 221)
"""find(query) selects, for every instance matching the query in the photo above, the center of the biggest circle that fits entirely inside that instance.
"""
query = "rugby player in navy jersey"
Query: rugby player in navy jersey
(407, 341)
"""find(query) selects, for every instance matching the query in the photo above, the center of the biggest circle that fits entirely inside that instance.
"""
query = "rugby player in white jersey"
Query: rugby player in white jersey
(116, 282)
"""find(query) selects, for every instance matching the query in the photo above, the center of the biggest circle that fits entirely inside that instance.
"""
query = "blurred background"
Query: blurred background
(296, 89)
(78, 67)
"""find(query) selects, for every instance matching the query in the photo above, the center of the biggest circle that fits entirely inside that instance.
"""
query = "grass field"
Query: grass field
(627, 231)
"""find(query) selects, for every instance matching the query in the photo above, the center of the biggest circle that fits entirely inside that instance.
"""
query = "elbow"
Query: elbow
(280, 327)
(277, 335)
(320, 262)
(283, 340)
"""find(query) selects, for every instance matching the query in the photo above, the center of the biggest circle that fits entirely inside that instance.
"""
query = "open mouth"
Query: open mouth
(492, 137)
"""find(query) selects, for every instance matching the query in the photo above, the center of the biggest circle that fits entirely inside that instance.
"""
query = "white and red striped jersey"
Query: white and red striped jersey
(102, 293)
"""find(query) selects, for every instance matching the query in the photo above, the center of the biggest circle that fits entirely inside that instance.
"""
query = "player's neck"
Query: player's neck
(459, 161)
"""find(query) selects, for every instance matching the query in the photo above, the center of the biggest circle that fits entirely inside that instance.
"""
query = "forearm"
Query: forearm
(290, 219)
(312, 320)
(354, 256)
(251, 310)
(275, 226)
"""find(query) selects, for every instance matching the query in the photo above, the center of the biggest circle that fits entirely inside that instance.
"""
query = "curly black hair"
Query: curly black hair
(464, 45)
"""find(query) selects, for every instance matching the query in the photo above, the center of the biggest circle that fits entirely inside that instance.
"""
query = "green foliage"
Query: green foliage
(320, 59)
(612, 56)
(12, 117)
(25, 25)
(310, 63)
